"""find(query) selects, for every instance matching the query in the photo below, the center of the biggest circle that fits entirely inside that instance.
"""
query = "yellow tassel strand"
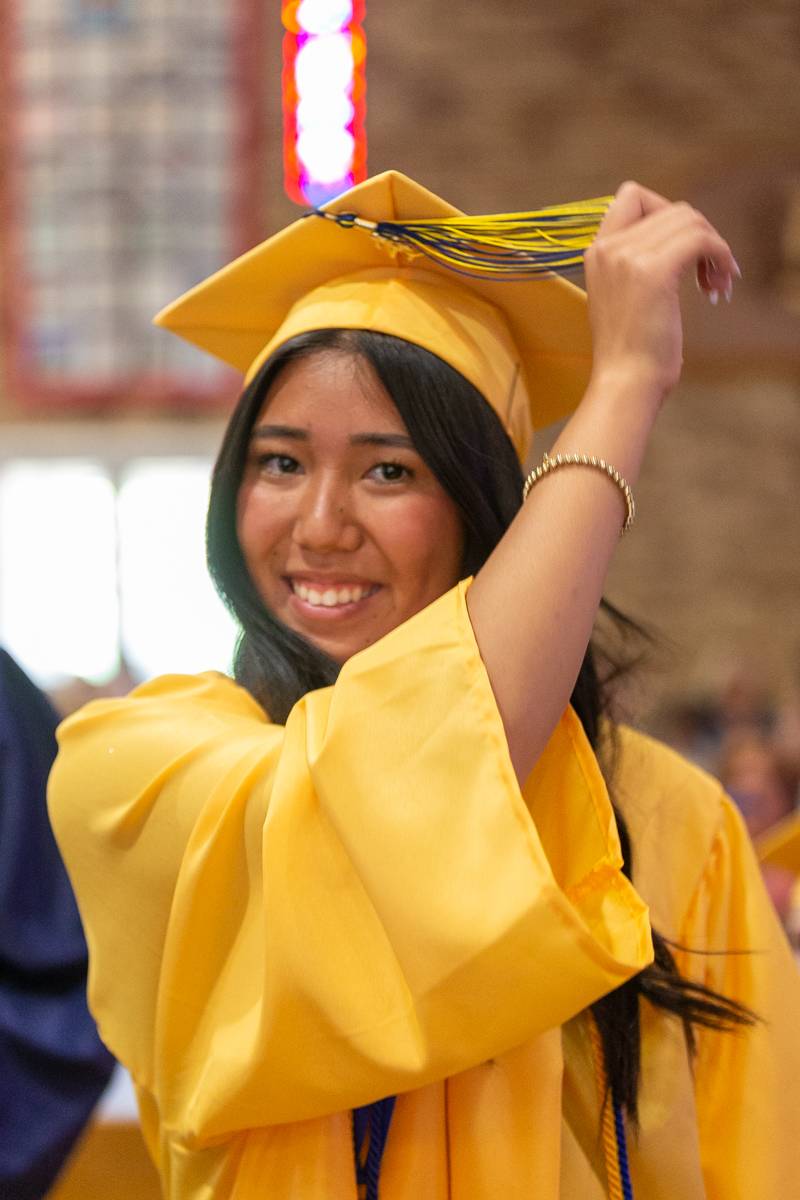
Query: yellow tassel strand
(608, 1130)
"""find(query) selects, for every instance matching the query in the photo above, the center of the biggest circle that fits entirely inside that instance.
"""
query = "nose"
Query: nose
(325, 520)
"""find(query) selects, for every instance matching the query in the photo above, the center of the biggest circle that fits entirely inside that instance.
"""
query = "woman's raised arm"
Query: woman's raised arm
(533, 604)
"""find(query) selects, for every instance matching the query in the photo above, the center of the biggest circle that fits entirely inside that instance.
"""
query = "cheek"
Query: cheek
(257, 523)
(424, 540)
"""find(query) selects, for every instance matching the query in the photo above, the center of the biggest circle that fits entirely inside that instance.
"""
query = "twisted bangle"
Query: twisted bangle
(549, 464)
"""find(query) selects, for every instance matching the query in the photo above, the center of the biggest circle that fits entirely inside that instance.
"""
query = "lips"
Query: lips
(331, 595)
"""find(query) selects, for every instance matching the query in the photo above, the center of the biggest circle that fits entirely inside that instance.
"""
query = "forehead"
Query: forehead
(330, 390)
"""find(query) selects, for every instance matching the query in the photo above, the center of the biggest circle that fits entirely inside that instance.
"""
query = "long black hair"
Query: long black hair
(464, 444)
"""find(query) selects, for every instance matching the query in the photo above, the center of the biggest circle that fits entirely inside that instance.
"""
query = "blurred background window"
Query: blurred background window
(171, 617)
(102, 571)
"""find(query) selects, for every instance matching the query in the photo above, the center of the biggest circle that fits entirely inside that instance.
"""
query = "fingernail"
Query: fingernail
(737, 268)
(729, 291)
(697, 283)
(713, 296)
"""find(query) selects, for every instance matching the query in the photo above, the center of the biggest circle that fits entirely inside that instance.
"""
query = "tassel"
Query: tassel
(370, 1131)
(507, 246)
(612, 1117)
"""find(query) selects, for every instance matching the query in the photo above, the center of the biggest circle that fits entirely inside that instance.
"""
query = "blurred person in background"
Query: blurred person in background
(764, 788)
(53, 1066)
(778, 848)
(786, 734)
(700, 725)
(74, 692)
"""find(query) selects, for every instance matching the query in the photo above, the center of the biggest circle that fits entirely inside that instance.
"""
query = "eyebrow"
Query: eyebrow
(382, 439)
(358, 439)
(281, 431)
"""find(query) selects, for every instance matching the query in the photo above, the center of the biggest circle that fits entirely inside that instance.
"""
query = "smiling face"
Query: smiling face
(344, 529)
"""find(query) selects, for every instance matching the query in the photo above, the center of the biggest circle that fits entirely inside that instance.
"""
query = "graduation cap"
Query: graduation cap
(390, 256)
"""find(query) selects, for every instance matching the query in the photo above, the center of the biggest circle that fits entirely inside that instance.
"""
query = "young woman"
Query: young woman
(360, 923)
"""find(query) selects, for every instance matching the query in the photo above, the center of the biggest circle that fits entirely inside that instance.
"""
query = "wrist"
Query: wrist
(614, 421)
(629, 389)
(557, 460)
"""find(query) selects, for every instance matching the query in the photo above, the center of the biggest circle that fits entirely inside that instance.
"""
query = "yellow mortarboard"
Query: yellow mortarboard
(779, 846)
(518, 332)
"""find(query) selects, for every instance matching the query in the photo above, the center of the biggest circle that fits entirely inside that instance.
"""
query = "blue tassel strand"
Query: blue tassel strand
(622, 1152)
(370, 1130)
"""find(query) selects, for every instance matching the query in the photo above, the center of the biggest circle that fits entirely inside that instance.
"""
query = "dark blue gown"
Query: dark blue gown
(53, 1066)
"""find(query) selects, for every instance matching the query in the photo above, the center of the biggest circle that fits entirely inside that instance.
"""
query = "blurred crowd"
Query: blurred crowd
(749, 739)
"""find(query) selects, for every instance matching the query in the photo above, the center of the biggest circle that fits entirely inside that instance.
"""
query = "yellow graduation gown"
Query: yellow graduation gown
(287, 922)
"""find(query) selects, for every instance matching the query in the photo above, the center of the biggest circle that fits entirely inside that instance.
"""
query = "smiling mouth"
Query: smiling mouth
(337, 596)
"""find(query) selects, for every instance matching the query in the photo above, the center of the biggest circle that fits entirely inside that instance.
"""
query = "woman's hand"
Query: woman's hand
(633, 271)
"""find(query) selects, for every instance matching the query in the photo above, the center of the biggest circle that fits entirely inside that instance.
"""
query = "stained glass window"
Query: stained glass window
(134, 155)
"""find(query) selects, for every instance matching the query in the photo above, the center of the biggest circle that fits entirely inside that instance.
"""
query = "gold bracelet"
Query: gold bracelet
(549, 464)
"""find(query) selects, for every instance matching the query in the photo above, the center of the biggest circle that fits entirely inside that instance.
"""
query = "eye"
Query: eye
(277, 464)
(390, 472)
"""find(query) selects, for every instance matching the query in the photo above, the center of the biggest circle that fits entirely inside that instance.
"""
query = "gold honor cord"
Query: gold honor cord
(505, 246)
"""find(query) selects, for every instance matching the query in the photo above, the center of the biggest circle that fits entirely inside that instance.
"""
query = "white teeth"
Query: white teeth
(331, 597)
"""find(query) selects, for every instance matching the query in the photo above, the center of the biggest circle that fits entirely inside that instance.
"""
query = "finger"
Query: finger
(705, 251)
(716, 271)
(630, 204)
(653, 228)
(711, 279)
(657, 232)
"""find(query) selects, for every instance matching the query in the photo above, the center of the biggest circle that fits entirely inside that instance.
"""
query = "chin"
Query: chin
(337, 650)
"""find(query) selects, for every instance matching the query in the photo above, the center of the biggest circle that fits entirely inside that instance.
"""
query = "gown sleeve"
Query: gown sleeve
(287, 922)
(748, 1081)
